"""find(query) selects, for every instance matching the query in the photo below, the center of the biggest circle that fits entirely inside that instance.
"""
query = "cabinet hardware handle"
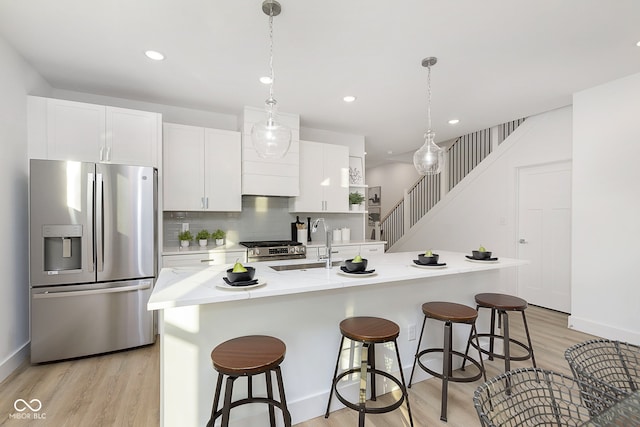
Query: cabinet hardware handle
(523, 241)
(207, 260)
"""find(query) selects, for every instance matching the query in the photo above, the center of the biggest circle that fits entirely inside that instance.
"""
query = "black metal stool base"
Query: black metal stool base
(367, 369)
(224, 412)
(493, 354)
(364, 408)
(451, 377)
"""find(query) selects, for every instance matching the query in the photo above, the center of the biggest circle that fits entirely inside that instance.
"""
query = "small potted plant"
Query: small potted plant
(185, 237)
(355, 199)
(203, 236)
(219, 236)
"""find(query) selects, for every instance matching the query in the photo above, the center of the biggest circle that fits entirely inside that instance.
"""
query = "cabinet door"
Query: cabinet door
(222, 170)
(75, 130)
(336, 177)
(311, 198)
(183, 166)
(132, 137)
(372, 249)
(345, 252)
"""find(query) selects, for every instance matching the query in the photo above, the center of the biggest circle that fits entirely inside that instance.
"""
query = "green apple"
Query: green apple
(357, 258)
(238, 268)
(428, 253)
(482, 249)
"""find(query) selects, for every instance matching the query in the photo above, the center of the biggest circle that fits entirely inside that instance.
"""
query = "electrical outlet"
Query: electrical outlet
(411, 332)
(185, 226)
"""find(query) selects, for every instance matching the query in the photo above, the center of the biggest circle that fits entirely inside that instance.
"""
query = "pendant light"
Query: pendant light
(270, 138)
(429, 158)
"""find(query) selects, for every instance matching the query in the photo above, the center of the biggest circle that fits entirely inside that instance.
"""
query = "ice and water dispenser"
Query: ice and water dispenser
(62, 247)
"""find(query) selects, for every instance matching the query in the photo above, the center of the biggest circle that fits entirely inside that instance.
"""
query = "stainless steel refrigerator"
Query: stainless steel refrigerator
(93, 257)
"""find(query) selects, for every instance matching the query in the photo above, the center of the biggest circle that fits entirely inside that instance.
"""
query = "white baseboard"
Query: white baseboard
(603, 330)
(11, 363)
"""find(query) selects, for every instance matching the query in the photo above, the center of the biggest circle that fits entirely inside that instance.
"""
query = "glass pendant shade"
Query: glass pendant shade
(429, 158)
(271, 140)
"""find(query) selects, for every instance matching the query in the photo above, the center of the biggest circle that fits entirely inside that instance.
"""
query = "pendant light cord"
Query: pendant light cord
(271, 52)
(428, 98)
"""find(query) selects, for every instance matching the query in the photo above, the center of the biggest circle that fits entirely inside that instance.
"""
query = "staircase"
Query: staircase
(460, 158)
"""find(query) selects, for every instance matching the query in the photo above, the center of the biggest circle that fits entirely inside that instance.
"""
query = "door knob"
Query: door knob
(523, 242)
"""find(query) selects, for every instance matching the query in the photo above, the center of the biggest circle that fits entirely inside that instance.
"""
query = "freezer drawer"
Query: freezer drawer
(81, 320)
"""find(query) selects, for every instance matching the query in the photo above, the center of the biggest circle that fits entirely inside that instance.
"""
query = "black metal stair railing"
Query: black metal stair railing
(461, 158)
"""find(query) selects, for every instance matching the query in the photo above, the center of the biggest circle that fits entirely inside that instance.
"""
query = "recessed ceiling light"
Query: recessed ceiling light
(156, 56)
(638, 44)
(454, 121)
(390, 152)
(265, 80)
(349, 98)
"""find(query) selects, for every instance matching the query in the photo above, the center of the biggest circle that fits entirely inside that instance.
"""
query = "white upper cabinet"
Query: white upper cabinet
(133, 136)
(69, 130)
(201, 169)
(324, 178)
(270, 177)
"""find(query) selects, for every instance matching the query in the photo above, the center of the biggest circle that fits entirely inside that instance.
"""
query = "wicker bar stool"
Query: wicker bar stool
(245, 357)
(536, 397)
(449, 313)
(608, 364)
(502, 304)
(369, 331)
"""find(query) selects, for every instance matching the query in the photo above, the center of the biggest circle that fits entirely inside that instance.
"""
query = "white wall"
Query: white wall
(481, 210)
(606, 210)
(17, 79)
(392, 179)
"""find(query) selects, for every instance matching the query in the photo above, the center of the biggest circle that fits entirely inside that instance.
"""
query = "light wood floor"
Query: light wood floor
(122, 389)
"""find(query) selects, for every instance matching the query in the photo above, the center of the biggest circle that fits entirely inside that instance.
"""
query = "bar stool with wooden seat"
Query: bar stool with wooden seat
(369, 331)
(449, 313)
(502, 304)
(245, 357)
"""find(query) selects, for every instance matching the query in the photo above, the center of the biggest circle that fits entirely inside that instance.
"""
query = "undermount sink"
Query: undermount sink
(305, 266)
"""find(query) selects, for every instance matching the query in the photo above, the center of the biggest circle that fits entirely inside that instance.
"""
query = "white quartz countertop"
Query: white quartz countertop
(188, 286)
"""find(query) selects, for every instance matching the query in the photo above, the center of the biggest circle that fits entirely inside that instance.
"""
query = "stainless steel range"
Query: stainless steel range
(269, 250)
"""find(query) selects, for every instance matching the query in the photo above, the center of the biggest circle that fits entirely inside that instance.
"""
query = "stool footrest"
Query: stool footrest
(358, 406)
(451, 378)
(501, 355)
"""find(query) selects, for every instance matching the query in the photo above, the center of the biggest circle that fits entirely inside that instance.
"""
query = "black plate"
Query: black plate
(344, 269)
(240, 283)
(486, 259)
(437, 264)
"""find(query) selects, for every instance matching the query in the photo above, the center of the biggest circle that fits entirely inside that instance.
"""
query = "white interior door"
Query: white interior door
(544, 226)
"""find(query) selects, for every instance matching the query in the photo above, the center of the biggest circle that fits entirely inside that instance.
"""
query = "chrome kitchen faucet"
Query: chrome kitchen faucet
(327, 231)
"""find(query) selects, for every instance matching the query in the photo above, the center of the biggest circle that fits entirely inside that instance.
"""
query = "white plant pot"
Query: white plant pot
(219, 242)
(355, 207)
(203, 242)
(184, 243)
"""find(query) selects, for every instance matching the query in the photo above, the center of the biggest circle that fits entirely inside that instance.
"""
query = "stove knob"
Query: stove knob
(292, 250)
(257, 251)
(302, 249)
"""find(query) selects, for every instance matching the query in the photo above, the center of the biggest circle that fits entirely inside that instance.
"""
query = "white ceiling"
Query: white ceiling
(498, 60)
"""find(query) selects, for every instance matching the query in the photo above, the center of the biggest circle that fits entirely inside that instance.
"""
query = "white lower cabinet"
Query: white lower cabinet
(202, 169)
(349, 251)
(200, 259)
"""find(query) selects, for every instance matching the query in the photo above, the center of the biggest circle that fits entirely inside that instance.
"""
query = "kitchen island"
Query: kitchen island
(303, 308)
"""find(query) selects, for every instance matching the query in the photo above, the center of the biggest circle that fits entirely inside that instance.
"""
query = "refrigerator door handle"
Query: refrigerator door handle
(99, 225)
(90, 199)
(65, 294)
